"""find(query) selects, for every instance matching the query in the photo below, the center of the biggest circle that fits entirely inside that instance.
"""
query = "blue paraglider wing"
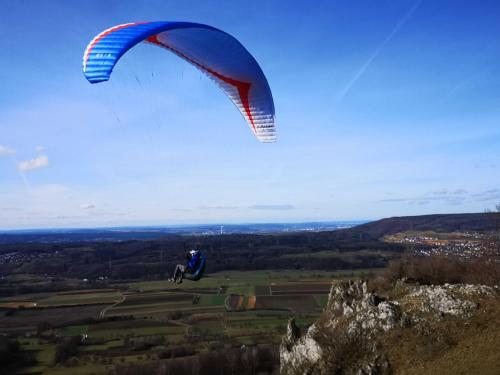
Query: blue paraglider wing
(214, 52)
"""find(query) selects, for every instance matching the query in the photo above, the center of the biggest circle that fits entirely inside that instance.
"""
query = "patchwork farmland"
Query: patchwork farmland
(129, 323)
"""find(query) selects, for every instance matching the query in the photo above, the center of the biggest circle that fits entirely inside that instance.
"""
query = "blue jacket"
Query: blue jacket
(193, 262)
(197, 267)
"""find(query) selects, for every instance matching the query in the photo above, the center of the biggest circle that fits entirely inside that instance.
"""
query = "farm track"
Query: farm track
(102, 314)
(86, 291)
(296, 292)
(179, 323)
(162, 310)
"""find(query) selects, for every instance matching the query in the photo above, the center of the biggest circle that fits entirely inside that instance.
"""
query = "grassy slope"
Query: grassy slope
(449, 346)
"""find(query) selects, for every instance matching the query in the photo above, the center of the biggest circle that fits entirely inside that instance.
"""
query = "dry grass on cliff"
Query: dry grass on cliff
(451, 345)
(440, 269)
(344, 350)
(448, 346)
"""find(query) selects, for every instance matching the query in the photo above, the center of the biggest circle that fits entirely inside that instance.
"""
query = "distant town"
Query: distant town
(464, 244)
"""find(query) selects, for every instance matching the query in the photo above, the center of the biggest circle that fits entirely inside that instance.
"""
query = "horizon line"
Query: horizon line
(166, 226)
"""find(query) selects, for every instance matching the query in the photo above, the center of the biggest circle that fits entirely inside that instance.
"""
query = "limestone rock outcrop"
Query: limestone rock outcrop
(345, 338)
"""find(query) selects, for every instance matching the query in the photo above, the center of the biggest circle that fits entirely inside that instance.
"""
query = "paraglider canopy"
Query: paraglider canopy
(216, 53)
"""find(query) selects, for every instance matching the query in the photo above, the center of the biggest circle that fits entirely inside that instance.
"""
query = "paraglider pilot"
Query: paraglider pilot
(193, 270)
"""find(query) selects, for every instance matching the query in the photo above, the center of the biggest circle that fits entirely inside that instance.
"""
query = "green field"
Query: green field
(140, 320)
(76, 298)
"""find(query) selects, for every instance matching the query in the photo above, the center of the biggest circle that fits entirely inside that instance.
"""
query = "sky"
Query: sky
(383, 108)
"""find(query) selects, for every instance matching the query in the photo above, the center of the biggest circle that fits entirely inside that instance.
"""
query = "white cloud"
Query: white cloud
(40, 149)
(87, 206)
(456, 197)
(217, 207)
(278, 207)
(488, 195)
(39, 162)
(6, 151)
(180, 209)
(108, 213)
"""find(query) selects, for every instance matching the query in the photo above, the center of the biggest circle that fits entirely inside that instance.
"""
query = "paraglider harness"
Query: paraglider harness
(193, 270)
(196, 265)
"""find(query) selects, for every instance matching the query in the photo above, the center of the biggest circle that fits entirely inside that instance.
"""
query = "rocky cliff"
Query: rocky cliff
(407, 329)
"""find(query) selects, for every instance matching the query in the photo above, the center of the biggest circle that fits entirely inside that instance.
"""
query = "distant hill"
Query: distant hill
(296, 233)
(117, 234)
(146, 253)
(437, 223)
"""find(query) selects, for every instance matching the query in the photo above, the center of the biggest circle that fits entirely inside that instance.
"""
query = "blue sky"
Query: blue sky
(383, 108)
